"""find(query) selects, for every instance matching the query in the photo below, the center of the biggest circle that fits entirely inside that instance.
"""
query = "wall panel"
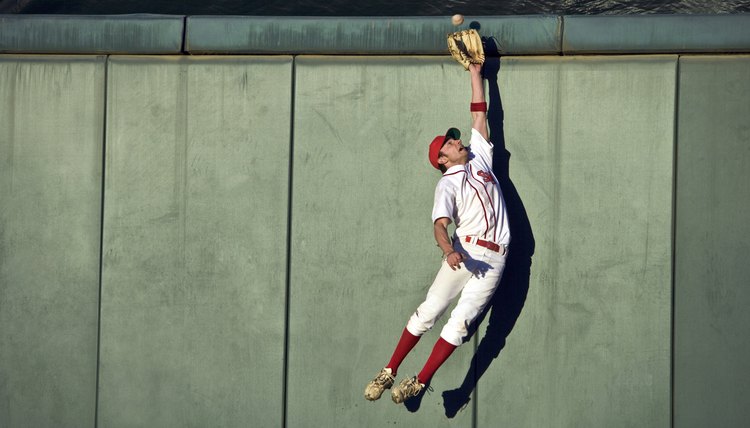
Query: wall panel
(363, 253)
(194, 272)
(711, 237)
(51, 133)
(591, 143)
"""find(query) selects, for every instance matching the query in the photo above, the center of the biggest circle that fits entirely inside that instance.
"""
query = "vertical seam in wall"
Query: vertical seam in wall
(674, 240)
(285, 370)
(101, 242)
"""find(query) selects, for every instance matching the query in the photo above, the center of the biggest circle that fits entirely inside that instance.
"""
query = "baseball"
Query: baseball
(457, 19)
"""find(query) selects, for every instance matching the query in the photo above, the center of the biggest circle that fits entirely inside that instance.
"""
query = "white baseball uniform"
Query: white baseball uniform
(469, 195)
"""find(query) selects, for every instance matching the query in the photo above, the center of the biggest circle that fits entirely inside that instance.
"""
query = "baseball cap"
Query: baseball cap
(438, 142)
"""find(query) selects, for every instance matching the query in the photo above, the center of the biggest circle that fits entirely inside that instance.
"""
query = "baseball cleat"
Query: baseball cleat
(384, 380)
(408, 388)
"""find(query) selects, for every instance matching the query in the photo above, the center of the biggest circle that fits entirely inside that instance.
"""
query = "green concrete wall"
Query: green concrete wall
(711, 296)
(266, 234)
(195, 219)
(655, 33)
(89, 34)
(574, 115)
(363, 254)
(405, 35)
(591, 143)
(51, 142)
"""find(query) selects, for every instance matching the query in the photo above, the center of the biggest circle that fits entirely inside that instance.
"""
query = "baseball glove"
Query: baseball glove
(466, 47)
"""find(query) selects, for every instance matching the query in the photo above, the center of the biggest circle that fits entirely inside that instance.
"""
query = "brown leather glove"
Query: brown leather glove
(466, 47)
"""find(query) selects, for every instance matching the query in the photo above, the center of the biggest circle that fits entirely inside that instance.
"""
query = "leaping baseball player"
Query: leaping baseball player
(468, 194)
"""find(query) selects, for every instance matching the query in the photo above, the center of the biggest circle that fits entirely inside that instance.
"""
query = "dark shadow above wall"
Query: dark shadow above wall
(370, 8)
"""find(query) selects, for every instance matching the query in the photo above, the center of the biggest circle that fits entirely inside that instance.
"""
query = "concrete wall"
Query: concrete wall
(51, 142)
(194, 250)
(711, 236)
(591, 145)
(266, 234)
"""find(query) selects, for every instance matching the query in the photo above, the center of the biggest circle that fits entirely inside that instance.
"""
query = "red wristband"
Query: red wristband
(479, 107)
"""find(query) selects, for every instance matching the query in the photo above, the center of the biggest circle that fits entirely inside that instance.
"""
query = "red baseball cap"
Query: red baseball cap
(438, 142)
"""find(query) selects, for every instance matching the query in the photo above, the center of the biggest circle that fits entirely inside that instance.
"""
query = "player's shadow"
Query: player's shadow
(506, 305)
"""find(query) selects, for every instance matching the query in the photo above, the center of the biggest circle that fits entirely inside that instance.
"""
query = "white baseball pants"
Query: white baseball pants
(476, 281)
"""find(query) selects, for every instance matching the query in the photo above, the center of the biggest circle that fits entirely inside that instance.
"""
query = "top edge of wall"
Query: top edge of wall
(538, 34)
(656, 34)
(92, 34)
(512, 35)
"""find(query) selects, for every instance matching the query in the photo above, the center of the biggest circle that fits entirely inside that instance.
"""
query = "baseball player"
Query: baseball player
(468, 194)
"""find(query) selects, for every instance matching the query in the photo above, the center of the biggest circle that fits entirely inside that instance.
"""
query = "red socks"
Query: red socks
(405, 345)
(440, 353)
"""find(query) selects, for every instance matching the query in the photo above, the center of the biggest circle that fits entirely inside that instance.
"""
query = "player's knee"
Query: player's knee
(453, 336)
(420, 323)
(455, 331)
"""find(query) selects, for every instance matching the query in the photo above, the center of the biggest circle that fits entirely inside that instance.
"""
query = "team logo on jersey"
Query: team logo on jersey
(486, 176)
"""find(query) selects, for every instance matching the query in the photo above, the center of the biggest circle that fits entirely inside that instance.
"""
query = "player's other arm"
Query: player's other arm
(453, 257)
(479, 118)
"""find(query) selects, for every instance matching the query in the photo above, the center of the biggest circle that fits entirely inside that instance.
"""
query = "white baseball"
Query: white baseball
(457, 19)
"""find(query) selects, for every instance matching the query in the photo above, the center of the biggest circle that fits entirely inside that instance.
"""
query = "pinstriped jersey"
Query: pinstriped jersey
(470, 196)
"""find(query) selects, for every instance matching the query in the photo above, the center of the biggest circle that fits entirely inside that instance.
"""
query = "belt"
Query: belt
(486, 244)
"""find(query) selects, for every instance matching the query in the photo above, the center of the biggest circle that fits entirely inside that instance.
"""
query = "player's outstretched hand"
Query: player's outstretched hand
(454, 260)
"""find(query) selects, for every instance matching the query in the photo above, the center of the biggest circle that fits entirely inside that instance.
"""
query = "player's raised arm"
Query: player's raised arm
(478, 103)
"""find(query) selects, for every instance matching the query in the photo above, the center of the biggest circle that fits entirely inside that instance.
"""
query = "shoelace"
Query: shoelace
(413, 387)
(383, 378)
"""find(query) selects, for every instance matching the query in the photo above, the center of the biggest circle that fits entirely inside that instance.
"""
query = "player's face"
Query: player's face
(454, 153)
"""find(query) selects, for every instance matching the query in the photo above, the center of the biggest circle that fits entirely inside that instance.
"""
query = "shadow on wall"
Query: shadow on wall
(508, 301)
